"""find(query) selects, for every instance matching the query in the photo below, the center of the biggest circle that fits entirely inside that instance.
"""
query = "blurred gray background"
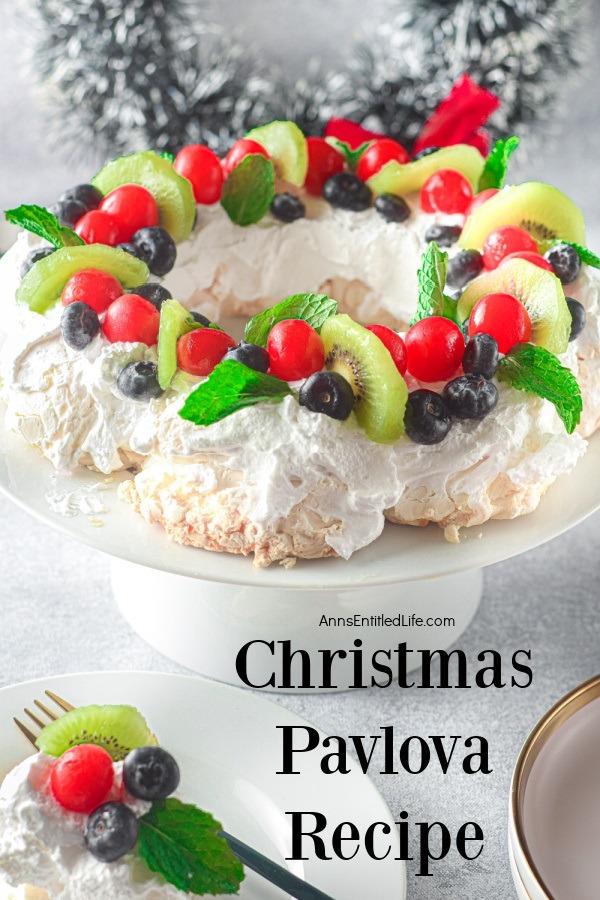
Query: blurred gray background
(55, 592)
(287, 33)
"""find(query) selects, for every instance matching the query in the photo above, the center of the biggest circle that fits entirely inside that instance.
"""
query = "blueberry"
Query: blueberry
(328, 393)
(287, 207)
(426, 418)
(577, 317)
(250, 355)
(347, 192)
(443, 235)
(425, 152)
(111, 832)
(152, 291)
(158, 247)
(392, 208)
(150, 773)
(200, 319)
(68, 212)
(87, 194)
(470, 397)
(79, 325)
(32, 257)
(565, 262)
(463, 267)
(139, 381)
(481, 356)
(130, 248)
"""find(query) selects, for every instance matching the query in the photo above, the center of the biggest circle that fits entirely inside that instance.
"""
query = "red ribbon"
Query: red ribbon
(459, 119)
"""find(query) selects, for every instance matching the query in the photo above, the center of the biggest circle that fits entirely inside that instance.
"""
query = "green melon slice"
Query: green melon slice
(540, 292)
(43, 284)
(172, 192)
(286, 145)
(175, 320)
(380, 389)
(539, 208)
(402, 179)
(119, 729)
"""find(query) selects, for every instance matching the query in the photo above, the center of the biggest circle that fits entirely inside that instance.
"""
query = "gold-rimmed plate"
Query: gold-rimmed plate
(554, 817)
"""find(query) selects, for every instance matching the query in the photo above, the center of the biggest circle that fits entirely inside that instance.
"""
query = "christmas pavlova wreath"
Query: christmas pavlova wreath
(299, 440)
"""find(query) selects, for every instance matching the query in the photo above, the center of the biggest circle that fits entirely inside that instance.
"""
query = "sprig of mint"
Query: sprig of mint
(311, 308)
(40, 221)
(496, 165)
(535, 369)
(182, 843)
(351, 156)
(166, 155)
(432, 278)
(249, 190)
(230, 387)
(586, 255)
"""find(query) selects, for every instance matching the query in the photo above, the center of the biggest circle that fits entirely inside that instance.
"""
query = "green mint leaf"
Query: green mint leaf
(39, 221)
(496, 165)
(534, 369)
(586, 255)
(230, 387)
(351, 156)
(166, 155)
(432, 278)
(182, 843)
(249, 190)
(312, 308)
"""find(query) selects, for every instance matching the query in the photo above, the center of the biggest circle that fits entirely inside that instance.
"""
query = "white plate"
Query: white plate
(229, 749)
(401, 554)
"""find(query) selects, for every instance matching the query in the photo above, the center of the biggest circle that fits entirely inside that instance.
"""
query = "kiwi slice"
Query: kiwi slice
(175, 320)
(286, 145)
(173, 192)
(540, 292)
(43, 284)
(118, 729)
(542, 210)
(379, 388)
(402, 179)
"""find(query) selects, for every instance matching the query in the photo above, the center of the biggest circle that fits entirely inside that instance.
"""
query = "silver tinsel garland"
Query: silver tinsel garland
(521, 50)
(141, 73)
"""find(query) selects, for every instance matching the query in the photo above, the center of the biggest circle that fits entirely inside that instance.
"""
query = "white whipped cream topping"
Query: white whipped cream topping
(67, 404)
(61, 400)
(272, 260)
(42, 844)
(284, 453)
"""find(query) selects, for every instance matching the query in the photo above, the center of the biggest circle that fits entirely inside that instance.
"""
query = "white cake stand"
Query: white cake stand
(200, 608)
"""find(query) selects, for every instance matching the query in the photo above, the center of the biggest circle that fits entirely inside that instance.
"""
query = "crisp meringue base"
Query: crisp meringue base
(207, 490)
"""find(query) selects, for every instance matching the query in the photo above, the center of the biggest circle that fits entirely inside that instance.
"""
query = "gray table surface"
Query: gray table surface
(58, 615)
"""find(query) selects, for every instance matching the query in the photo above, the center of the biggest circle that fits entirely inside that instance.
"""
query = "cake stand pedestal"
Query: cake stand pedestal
(200, 608)
(204, 625)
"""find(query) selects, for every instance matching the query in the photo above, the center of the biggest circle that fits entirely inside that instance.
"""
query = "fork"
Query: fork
(271, 871)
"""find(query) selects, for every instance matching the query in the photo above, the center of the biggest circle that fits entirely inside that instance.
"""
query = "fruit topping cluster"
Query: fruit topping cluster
(176, 840)
(83, 778)
(500, 291)
(127, 217)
